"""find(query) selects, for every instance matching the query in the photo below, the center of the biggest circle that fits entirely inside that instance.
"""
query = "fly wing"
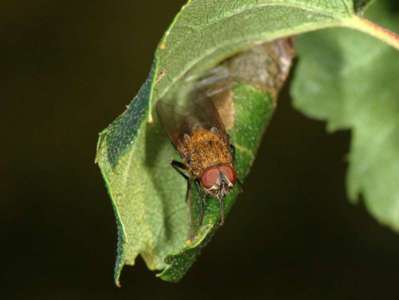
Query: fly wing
(193, 106)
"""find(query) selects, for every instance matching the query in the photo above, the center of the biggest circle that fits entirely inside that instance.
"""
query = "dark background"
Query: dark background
(67, 70)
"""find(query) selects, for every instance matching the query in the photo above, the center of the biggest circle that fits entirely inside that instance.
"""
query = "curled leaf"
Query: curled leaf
(134, 153)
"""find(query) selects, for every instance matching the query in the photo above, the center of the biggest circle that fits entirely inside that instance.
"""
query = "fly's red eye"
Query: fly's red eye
(229, 173)
(210, 177)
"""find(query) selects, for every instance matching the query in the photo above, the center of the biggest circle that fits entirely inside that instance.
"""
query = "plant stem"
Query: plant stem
(389, 37)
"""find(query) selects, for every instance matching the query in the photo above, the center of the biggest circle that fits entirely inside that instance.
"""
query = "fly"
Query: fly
(199, 135)
(196, 115)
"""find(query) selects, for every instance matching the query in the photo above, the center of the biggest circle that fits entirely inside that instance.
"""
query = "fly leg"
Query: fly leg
(221, 202)
(182, 169)
(240, 185)
(233, 151)
(189, 201)
(202, 207)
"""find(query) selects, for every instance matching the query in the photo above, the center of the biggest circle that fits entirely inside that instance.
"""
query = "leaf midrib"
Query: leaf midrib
(271, 3)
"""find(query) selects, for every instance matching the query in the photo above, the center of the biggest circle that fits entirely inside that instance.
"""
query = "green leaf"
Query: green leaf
(134, 153)
(351, 81)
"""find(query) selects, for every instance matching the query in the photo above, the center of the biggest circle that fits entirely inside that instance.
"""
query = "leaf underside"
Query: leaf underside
(134, 153)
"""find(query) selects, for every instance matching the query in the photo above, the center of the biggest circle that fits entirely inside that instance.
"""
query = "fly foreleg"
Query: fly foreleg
(204, 196)
(182, 170)
(240, 185)
(233, 151)
(221, 202)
